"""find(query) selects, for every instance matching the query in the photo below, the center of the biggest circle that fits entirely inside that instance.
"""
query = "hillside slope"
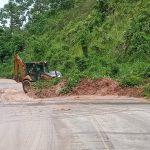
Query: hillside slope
(93, 39)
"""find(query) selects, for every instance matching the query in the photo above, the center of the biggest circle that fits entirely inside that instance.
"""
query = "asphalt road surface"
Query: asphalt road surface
(10, 84)
(75, 125)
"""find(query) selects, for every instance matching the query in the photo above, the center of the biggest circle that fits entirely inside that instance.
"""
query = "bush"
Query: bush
(104, 8)
(72, 82)
(84, 39)
(114, 70)
(39, 47)
(146, 73)
(6, 70)
(81, 63)
(147, 90)
(45, 83)
(137, 39)
(69, 65)
(67, 4)
(131, 81)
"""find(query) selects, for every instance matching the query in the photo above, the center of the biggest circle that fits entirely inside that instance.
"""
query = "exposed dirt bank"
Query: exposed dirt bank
(12, 92)
(101, 87)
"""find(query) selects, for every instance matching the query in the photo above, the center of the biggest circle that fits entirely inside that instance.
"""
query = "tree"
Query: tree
(137, 38)
(84, 39)
(5, 46)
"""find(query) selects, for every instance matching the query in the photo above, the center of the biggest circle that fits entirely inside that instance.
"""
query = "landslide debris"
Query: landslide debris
(101, 87)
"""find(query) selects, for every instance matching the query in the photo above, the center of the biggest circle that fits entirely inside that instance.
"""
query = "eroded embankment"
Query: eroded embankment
(101, 87)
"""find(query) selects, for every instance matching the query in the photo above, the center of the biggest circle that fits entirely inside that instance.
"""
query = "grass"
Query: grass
(41, 84)
(6, 70)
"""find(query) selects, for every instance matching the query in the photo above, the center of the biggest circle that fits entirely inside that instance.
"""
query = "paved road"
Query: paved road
(75, 126)
(9, 84)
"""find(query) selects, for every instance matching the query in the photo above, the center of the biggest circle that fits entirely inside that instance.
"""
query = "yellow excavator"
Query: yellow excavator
(31, 72)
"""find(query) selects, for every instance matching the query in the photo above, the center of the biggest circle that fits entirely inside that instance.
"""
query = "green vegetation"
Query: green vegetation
(147, 90)
(81, 38)
(45, 83)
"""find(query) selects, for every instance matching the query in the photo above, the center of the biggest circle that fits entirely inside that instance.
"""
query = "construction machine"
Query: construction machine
(31, 72)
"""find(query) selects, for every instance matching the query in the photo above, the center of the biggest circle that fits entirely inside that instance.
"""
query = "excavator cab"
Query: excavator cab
(31, 72)
(40, 71)
(35, 70)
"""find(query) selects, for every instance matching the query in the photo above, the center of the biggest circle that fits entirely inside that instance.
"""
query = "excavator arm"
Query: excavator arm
(19, 64)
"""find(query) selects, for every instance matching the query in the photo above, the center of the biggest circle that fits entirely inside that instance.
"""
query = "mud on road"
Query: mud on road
(10, 91)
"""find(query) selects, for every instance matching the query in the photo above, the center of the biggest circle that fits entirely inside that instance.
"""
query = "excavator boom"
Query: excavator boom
(19, 64)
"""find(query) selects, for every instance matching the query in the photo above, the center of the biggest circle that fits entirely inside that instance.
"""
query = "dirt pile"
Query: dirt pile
(52, 91)
(105, 87)
(101, 87)
(96, 87)
(134, 91)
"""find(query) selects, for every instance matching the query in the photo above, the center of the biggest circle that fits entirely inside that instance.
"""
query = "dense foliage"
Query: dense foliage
(81, 38)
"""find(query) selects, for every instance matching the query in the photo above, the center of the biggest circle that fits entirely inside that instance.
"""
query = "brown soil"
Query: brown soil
(104, 87)
(10, 95)
(48, 91)
(134, 92)
(96, 87)
(100, 87)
